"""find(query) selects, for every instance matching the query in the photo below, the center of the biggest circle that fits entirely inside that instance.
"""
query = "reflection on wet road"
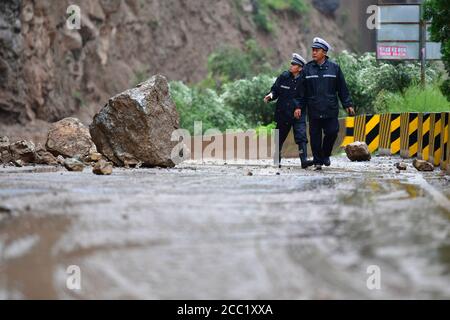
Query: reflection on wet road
(210, 231)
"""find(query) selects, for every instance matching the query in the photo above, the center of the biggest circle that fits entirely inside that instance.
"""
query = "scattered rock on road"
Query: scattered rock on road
(423, 165)
(70, 138)
(103, 168)
(137, 125)
(401, 166)
(23, 150)
(358, 151)
(42, 156)
(72, 164)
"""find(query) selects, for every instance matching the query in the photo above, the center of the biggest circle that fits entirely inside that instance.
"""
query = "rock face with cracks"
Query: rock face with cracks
(136, 126)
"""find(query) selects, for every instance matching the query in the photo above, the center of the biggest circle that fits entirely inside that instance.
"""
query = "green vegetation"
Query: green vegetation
(414, 99)
(229, 63)
(368, 78)
(438, 11)
(204, 105)
(78, 96)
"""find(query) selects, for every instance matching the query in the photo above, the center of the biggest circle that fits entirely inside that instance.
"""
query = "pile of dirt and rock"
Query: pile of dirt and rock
(134, 129)
(49, 71)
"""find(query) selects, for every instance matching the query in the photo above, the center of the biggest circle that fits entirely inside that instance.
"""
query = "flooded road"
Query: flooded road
(214, 231)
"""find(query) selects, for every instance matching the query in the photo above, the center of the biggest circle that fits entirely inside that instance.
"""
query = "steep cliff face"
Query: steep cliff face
(49, 72)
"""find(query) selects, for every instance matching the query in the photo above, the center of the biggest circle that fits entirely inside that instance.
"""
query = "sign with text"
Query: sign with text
(399, 34)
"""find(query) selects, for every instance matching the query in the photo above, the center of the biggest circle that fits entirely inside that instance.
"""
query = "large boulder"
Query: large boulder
(69, 138)
(136, 126)
(358, 151)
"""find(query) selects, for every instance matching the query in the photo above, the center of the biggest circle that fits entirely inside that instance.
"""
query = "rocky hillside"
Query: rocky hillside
(48, 72)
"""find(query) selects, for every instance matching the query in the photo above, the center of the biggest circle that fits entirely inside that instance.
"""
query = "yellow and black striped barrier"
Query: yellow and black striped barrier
(390, 134)
(447, 162)
(349, 131)
(372, 132)
(445, 119)
(409, 126)
(422, 135)
(363, 128)
(435, 143)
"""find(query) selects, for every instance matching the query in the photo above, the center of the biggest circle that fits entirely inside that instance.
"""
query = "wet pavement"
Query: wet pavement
(212, 231)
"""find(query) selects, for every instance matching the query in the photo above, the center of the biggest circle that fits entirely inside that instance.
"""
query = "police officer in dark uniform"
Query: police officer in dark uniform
(285, 91)
(321, 83)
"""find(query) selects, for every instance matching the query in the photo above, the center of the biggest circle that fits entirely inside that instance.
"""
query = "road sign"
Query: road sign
(403, 35)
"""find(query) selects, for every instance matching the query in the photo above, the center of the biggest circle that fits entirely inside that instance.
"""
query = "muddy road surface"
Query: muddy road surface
(234, 231)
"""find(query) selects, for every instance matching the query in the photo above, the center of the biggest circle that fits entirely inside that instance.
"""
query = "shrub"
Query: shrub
(203, 105)
(415, 99)
(438, 12)
(228, 63)
(245, 97)
(366, 78)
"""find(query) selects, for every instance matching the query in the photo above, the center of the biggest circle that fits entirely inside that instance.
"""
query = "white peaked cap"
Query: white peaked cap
(320, 43)
(298, 59)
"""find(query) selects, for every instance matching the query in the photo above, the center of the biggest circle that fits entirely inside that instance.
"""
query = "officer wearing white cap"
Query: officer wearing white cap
(321, 83)
(285, 91)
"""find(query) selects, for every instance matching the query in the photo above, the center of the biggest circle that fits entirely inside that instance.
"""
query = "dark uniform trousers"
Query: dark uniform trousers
(299, 128)
(323, 133)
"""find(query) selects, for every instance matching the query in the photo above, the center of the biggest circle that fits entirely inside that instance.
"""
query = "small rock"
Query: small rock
(422, 165)
(358, 151)
(60, 159)
(103, 168)
(95, 156)
(73, 165)
(249, 173)
(70, 138)
(42, 156)
(401, 166)
(18, 163)
(23, 150)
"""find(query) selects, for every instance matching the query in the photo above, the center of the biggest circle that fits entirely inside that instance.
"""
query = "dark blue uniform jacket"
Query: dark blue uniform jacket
(319, 89)
(286, 91)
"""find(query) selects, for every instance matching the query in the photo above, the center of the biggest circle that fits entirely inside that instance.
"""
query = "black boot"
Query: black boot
(304, 157)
